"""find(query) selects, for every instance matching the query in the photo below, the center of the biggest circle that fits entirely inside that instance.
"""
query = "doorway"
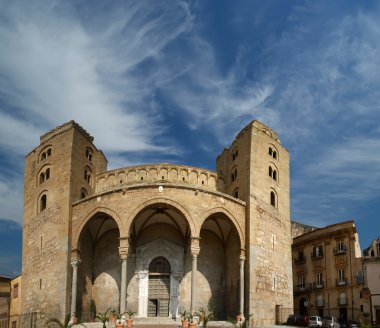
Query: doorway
(159, 287)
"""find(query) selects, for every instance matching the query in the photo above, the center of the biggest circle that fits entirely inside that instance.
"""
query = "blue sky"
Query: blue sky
(174, 81)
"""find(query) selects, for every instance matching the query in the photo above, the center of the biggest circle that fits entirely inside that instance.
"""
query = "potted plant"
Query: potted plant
(130, 315)
(205, 316)
(240, 324)
(103, 318)
(238, 316)
(67, 323)
(184, 322)
(191, 317)
(201, 314)
(120, 322)
(114, 316)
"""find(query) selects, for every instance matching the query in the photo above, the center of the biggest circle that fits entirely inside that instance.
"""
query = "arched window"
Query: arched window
(235, 154)
(44, 175)
(46, 152)
(273, 200)
(87, 175)
(89, 154)
(234, 175)
(83, 193)
(273, 152)
(236, 193)
(272, 173)
(43, 202)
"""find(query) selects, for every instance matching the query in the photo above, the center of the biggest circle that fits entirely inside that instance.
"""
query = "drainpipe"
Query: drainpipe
(352, 288)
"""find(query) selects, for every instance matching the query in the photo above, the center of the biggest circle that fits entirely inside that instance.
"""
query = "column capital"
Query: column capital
(123, 252)
(242, 254)
(194, 247)
(75, 262)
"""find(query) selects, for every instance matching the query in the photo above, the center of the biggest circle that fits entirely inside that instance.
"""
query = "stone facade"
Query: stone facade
(328, 275)
(157, 239)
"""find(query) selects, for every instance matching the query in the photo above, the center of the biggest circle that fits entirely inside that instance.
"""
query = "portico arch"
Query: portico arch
(231, 217)
(158, 228)
(98, 244)
(76, 234)
(220, 264)
(163, 201)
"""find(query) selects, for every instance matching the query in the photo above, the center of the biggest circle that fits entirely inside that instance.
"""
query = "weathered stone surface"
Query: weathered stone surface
(238, 214)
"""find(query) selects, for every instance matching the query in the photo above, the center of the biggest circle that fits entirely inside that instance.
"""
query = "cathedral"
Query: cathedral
(157, 239)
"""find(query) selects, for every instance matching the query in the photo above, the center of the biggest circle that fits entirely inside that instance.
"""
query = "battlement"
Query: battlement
(156, 172)
(64, 127)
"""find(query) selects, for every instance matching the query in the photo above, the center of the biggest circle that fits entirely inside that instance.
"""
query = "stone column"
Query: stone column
(194, 253)
(74, 263)
(242, 259)
(123, 252)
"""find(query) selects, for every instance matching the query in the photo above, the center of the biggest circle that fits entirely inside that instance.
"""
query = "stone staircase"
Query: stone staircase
(156, 322)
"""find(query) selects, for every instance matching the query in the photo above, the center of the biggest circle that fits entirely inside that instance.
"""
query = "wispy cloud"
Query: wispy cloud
(55, 65)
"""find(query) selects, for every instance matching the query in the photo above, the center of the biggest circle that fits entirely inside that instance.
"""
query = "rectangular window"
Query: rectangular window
(301, 281)
(341, 275)
(318, 278)
(340, 246)
(15, 291)
(14, 324)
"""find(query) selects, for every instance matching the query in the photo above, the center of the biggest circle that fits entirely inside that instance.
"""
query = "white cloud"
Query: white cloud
(11, 198)
(54, 67)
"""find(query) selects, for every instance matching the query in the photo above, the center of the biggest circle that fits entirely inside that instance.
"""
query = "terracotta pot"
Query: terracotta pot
(119, 325)
(113, 319)
(238, 317)
(129, 323)
(192, 324)
(75, 320)
(185, 324)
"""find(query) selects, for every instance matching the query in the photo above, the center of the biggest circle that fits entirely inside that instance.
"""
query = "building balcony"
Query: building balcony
(318, 284)
(303, 288)
(301, 260)
(315, 256)
(340, 250)
(319, 303)
(342, 301)
(341, 282)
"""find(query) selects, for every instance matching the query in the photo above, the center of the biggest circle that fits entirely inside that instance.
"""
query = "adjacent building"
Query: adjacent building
(371, 263)
(15, 303)
(156, 238)
(328, 275)
(5, 293)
